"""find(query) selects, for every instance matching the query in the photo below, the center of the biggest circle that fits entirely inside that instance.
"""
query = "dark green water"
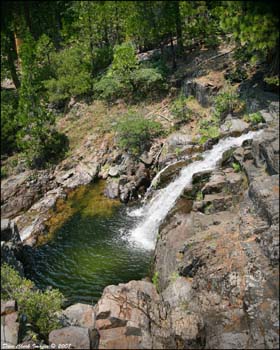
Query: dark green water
(86, 254)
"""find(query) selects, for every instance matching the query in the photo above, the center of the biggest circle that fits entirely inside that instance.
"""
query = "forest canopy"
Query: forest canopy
(55, 50)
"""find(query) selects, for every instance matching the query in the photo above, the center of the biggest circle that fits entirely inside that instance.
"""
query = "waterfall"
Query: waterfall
(153, 213)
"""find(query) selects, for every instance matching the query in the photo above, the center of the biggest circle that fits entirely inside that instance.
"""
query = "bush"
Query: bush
(147, 80)
(9, 126)
(254, 118)
(210, 132)
(136, 133)
(179, 108)
(72, 75)
(110, 88)
(126, 78)
(227, 102)
(124, 59)
(236, 167)
(41, 144)
(273, 81)
(39, 307)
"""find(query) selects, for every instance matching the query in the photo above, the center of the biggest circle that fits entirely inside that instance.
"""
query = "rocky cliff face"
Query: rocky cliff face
(215, 263)
(225, 252)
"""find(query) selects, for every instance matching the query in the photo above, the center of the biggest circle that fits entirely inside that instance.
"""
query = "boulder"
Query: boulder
(9, 331)
(147, 158)
(233, 126)
(78, 337)
(115, 171)
(8, 307)
(124, 314)
(112, 189)
(81, 315)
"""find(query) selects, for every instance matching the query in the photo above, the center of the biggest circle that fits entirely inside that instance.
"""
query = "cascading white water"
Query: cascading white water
(154, 212)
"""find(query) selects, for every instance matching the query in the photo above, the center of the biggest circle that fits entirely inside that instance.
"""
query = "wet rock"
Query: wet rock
(233, 126)
(11, 245)
(78, 337)
(112, 189)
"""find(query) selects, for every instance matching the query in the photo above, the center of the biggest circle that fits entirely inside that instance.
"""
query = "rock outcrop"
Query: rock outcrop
(226, 251)
(11, 245)
(10, 325)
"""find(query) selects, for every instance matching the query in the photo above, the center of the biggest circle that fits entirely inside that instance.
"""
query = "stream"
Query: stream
(100, 244)
(87, 253)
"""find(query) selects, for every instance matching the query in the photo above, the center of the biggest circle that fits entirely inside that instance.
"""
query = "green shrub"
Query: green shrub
(124, 59)
(272, 80)
(236, 75)
(72, 75)
(110, 88)
(155, 280)
(41, 144)
(254, 118)
(227, 101)
(236, 167)
(9, 125)
(126, 78)
(179, 108)
(209, 133)
(39, 307)
(147, 80)
(136, 133)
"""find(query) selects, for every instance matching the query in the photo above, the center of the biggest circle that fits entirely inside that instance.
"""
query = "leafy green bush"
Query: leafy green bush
(227, 101)
(9, 126)
(236, 75)
(124, 59)
(136, 133)
(39, 307)
(72, 75)
(110, 88)
(41, 144)
(209, 133)
(254, 118)
(126, 78)
(179, 108)
(236, 167)
(147, 80)
(272, 80)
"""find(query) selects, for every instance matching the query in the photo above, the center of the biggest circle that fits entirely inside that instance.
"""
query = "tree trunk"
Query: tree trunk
(13, 70)
(12, 56)
(174, 65)
(178, 27)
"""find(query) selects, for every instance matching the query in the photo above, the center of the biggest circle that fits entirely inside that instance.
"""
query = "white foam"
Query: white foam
(154, 212)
